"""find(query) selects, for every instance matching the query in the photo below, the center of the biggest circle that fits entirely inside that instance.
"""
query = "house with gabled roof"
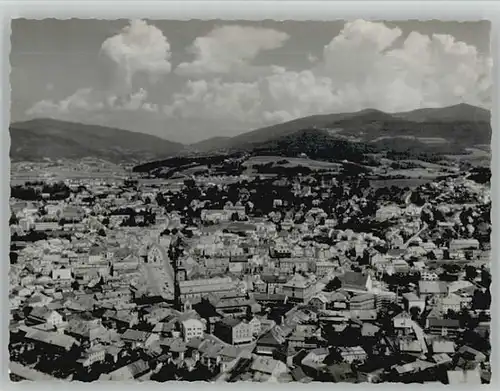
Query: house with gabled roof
(44, 315)
(432, 288)
(299, 287)
(269, 342)
(267, 368)
(138, 338)
(443, 327)
(234, 331)
(53, 340)
(469, 377)
(403, 324)
(440, 346)
(356, 281)
(131, 371)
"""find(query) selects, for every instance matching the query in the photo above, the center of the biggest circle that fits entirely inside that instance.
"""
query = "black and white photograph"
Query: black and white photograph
(267, 201)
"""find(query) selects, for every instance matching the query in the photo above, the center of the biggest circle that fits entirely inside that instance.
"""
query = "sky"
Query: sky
(187, 81)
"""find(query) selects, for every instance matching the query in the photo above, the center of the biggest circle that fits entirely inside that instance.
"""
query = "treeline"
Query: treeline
(130, 212)
(480, 175)
(270, 168)
(184, 161)
(147, 220)
(31, 236)
(141, 218)
(415, 154)
(35, 191)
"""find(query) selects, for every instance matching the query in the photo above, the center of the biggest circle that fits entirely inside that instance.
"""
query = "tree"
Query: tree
(75, 285)
(452, 268)
(333, 285)
(485, 278)
(451, 314)
(470, 272)
(481, 300)
(415, 312)
(448, 277)
(13, 219)
(13, 257)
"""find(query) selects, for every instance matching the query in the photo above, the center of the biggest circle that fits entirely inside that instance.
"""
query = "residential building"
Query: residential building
(192, 328)
(411, 300)
(443, 327)
(41, 315)
(138, 339)
(356, 282)
(463, 244)
(267, 368)
(95, 354)
(353, 353)
(234, 331)
(197, 288)
(451, 302)
(362, 302)
(61, 274)
(300, 288)
(325, 268)
(432, 288)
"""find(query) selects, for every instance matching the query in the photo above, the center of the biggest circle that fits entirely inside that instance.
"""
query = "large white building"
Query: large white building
(192, 328)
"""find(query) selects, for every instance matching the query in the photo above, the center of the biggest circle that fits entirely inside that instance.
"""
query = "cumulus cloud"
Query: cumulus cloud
(215, 100)
(130, 102)
(311, 58)
(226, 48)
(421, 71)
(84, 99)
(289, 95)
(88, 100)
(367, 65)
(139, 47)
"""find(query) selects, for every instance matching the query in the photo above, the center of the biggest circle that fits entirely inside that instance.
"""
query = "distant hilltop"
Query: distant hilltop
(453, 126)
(43, 138)
(445, 130)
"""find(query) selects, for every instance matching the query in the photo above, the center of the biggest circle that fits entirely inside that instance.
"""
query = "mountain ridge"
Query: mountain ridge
(42, 138)
(437, 130)
(369, 125)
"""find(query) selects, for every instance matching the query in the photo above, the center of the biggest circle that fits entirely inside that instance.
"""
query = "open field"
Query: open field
(480, 155)
(292, 162)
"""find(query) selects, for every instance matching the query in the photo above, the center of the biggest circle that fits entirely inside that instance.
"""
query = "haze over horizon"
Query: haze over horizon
(188, 81)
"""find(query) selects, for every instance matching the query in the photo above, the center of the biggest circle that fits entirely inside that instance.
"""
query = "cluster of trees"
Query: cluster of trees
(333, 285)
(31, 236)
(401, 280)
(450, 272)
(33, 191)
(481, 300)
(179, 162)
(404, 165)
(410, 154)
(148, 218)
(259, 194)
(316, 145)
(271, 168)
(480, 175)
